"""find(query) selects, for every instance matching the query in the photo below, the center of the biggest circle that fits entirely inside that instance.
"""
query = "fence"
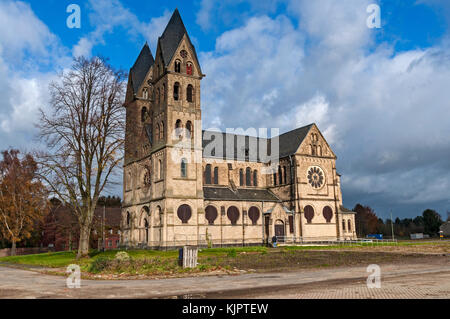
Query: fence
(201, 241)
(326, 241)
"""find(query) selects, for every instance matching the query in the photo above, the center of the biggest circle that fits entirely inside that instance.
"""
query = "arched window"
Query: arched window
(146, 229)
(189, 68)
(319, 150)
(291, 223)
(284, 174)
(161, 132)
(176, 91)
(157, 129)
(145, 93)
(178, 66)
(248, 177)
(128, 219)
(159, 215)
(178, 129)
(183, 167)
(216, 175)
(241, 177)
(280, 176)
(143, 114)
(233, 214)
(184, 213)
(190, 93)
(313, 150)
(211, 214)
(349, 225)
(253, 214)
(160, 168)
(255, 178)
(189, 129)
(343, 225)
(327, 213)
(309, 214)
(208, 174)
(274, 179)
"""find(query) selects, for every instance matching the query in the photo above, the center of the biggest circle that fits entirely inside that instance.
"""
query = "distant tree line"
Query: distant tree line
(367, 222)
(47, 223)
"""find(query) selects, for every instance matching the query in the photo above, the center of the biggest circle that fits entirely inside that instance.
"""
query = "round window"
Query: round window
(316, 177)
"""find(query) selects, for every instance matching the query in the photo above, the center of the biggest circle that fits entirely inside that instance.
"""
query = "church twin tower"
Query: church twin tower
(175, 195)
(163, 109)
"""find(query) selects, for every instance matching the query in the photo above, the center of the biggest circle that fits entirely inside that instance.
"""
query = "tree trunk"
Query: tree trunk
(13, 248)
(83, 245)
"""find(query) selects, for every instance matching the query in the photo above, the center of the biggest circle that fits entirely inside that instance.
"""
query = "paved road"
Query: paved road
(18, 283)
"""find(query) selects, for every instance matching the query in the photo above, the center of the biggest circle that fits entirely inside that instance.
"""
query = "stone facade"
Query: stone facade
(175, 193)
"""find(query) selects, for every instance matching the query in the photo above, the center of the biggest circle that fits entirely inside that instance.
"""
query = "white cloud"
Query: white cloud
(317, 111)
(22, 32)
(154, 29)
(251, 70)
(107, 15)
(26, 44)
(383, 112)
(83, 48)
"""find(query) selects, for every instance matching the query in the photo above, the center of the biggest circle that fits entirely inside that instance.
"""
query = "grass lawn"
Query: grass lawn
(151, 262)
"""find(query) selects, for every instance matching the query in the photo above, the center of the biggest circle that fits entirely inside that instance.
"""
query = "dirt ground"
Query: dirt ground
(298, 259)
(442, 247)
(426, 279)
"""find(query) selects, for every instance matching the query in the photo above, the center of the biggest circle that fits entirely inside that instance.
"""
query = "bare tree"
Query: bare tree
(23, 197)
(83, 132)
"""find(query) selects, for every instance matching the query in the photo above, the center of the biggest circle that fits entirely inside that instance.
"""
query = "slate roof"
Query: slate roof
(289, 143)
(241, 194)
(171, 37)
(241, 142)
(141, 67)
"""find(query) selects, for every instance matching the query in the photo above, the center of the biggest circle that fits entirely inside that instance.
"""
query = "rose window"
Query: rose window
(316, 177)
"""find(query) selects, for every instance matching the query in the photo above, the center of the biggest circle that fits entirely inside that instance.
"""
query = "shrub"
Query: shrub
(122, 256)
(99, 264)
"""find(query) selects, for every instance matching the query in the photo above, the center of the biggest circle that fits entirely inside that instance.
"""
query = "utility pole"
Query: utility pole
(392, 226)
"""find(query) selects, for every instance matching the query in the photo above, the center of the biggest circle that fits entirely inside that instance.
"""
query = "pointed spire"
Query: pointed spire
(140, 68)
(172, 36)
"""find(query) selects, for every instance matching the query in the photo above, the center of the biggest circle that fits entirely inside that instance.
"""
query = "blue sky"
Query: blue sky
(380, 96)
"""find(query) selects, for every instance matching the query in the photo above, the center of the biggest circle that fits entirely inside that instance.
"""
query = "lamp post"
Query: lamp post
(392, 226)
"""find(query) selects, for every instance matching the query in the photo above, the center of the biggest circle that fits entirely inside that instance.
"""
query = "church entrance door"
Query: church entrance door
(279, 231)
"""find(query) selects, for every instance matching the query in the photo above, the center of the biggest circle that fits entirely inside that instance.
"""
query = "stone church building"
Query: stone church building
(181, 186)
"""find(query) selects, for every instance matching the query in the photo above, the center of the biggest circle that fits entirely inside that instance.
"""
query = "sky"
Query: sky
(380, 96)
